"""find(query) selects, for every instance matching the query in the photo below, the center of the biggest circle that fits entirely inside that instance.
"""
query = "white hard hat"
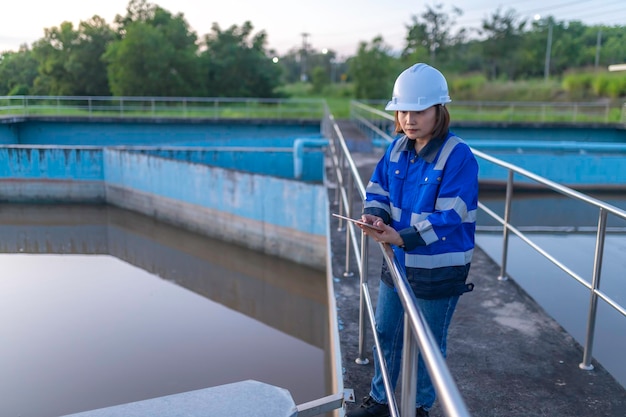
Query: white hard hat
(418, 88)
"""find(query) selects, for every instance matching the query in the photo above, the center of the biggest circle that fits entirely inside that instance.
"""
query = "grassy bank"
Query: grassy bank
(577, 88)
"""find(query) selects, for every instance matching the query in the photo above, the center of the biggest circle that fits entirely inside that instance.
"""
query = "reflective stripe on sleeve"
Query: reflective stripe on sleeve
(376, 204)
(396, 213)
(425, 229)
(375, 188)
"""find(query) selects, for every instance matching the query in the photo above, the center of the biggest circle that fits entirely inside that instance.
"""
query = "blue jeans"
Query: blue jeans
(390, 329)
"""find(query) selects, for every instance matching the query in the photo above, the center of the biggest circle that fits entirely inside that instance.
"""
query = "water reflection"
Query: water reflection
(101, 307)
(571, 241)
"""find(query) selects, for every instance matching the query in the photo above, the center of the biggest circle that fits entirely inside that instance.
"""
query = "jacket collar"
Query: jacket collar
(430, 151)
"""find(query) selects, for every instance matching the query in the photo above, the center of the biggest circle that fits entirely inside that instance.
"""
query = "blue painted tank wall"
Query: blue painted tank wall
(576, 164)
(247, 184)
(259, 147)
(85, 163)
(541, 133)
(258, 197)
(280, 217)
(591, 157)
(51, 174)
(8, 133)
(278, 162)
(64, 163)
(158, 133)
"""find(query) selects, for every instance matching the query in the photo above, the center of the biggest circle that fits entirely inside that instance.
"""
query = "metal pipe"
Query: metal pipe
(298, 152)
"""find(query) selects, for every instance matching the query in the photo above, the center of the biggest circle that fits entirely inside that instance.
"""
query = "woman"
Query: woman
(423, 194)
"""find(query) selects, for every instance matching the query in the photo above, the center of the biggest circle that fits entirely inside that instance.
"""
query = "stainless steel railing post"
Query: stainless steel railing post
(410, 353)
(363, 283)
(595, 285)
(349, 228)
(505, 230)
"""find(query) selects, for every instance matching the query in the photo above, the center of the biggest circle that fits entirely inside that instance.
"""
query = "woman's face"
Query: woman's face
(418, 124)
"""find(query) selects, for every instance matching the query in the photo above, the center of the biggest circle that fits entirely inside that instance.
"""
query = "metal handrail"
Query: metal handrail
(160, 107)
(417, 334)
(604, 209)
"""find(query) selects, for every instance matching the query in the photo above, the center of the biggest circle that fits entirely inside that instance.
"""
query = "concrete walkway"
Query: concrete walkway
(508, 357)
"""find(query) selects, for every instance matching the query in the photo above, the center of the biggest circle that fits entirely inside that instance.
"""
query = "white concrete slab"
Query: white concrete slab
(240, 399)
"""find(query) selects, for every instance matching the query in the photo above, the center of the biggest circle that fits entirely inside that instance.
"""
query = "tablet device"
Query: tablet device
(371, 226)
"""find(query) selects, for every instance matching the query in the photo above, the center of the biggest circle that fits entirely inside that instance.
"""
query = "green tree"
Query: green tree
(320, 78)
(465, 57)
(417, 48)
(433, 34)
(373, 70)
(291, 66)
(236, 63)
(613, 44)
(568, 49)
(532, 51)
(500, 48)
(70, 61)
(580, 45)
(156, 54)
(18, 71)
(87, 61)
(57, 71)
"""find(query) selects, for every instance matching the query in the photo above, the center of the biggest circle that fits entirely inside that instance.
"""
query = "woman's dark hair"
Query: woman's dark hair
(442, 124)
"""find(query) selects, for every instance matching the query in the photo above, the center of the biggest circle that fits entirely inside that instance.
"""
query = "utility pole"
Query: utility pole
(303, 56)
(598, 44)
(546, 70)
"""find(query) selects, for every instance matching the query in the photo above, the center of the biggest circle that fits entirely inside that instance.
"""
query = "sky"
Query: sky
(337, 25)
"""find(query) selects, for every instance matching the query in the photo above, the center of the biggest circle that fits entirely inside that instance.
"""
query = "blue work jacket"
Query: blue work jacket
(430, 197)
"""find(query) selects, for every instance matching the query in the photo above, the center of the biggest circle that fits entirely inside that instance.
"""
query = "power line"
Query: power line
(553, 10)
(616, 14)
(556, 6)
(572, 10)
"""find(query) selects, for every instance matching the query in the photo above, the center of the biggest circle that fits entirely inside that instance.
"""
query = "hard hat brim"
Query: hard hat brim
(395, 106)
(406, 106)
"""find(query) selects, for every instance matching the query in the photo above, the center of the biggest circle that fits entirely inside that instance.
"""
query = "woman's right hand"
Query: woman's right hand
(374, 221)
(386, 234)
